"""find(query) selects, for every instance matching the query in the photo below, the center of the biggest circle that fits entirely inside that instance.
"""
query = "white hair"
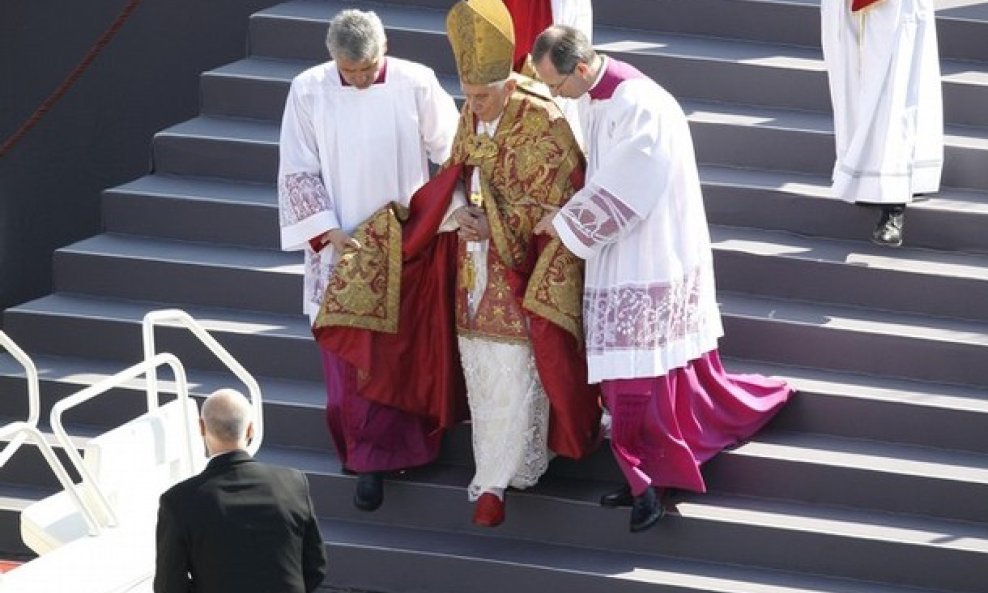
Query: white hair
(356, 35)
(498, 84)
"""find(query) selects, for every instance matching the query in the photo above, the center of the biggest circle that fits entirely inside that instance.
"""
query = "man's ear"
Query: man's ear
(250, 432)
(202, 427)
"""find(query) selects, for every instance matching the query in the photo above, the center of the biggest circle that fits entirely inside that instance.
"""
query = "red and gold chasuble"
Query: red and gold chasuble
(393, 308)
(388, 308)
(534, 289)
(530, 165)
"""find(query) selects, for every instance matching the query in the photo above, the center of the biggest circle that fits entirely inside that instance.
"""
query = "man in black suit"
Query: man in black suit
(240, 525)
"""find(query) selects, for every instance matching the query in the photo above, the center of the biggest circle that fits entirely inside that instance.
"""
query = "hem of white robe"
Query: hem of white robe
(632, 363)
(854, 187)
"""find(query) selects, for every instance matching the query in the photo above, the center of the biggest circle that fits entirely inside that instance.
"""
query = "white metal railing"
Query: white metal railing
(145, 368)
(163, 317)
(28, 431)
(20, 431)
(33, 395)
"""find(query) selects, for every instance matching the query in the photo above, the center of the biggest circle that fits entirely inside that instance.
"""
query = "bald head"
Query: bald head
(226, 421)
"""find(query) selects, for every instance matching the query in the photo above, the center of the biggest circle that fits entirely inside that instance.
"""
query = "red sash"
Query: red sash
(857, 5)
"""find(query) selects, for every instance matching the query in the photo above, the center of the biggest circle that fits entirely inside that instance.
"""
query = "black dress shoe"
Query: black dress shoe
(369, 493)
(888, 230)
(618, 498)
(646, 510)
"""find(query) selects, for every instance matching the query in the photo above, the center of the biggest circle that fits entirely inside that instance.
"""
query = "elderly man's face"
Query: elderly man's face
(360, 74)
(487, 102)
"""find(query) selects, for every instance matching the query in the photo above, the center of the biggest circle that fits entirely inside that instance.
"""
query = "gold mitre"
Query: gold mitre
(483, 40)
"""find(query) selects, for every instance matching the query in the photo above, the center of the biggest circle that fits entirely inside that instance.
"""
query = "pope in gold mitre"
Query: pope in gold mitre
(483, 40)
(518, 297)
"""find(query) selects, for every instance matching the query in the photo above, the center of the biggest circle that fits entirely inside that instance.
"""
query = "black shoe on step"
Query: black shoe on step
(369, 492)
(646, 510)
(888, 230)
(618, 498)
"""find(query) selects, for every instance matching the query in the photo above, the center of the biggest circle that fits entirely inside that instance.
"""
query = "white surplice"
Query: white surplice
(885, 89)
(346, 152)
(575, 13)
(649, 297)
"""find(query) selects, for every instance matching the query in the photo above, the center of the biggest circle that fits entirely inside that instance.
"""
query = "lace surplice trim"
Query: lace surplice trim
(305, 195)
(644, 317)
(598, 219)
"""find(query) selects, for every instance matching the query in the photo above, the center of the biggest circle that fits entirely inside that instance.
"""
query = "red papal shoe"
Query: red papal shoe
(488, 510)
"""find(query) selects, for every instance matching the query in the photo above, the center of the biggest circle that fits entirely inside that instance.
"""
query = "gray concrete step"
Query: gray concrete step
(704, 63)
(240, 213)
(296, 30)
(268, 345)
(961, 29)
(723, 135)
(293, 410)
(951, 220)
(469, 563)
(769, 74)
(752, 261)
(241, 149)
(859, 406)
(689, 67)
(789, 266)
(856, 474)
(852, 339)
(225, 212)
(806, 468)
(839, 542)
(180, 272)
(254, 87)
(903, 335)
(799, 141)
(960, 24)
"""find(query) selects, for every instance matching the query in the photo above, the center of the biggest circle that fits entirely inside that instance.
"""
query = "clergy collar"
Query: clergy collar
(488, 127)
(380, 73)
(612, 73)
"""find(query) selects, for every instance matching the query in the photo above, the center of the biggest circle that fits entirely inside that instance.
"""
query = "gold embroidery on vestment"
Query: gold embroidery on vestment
(365, 284)
(528, 173)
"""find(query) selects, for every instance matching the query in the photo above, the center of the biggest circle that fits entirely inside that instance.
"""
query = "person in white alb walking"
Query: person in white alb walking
(884, 73)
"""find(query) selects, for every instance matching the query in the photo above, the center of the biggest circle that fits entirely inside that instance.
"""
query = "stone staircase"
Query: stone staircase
(874, 479)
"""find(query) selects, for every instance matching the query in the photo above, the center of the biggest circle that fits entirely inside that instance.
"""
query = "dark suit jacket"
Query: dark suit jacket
(241, 526)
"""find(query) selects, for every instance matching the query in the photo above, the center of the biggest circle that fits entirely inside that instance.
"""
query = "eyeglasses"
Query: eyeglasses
(555, 87)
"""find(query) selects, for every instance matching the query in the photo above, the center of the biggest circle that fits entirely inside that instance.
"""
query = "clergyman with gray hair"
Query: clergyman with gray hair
(239, 525)
(357, 134)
